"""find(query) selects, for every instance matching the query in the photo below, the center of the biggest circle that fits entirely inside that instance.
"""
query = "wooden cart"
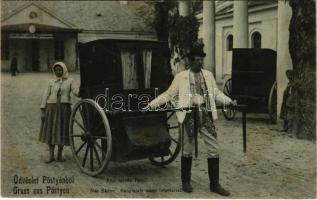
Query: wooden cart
(107, 124)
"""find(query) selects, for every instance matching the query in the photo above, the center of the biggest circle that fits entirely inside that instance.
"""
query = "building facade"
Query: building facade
(246, 24)
(262, 32)
(39, 33)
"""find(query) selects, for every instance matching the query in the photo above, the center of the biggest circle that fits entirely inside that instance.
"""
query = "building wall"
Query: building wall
(263, 21)
(5, 64)
(284, 61)
(45, 53)
(23, 49)
(70, 52)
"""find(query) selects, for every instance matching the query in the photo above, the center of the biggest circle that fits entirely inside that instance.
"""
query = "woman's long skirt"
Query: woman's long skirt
(54, 128)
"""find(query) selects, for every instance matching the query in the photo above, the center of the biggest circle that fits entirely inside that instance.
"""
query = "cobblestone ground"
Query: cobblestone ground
(276, 165)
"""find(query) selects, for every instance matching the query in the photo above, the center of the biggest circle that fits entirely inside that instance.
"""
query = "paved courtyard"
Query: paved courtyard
(276, 164)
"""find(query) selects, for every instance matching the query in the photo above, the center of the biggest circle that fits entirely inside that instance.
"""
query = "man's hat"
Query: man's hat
(196, 52)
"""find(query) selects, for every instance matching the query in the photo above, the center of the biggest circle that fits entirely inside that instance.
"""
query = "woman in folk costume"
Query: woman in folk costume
(56, 110)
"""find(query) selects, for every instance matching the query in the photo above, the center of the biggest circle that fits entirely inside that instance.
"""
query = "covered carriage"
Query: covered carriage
(118, 78)
(253, 82)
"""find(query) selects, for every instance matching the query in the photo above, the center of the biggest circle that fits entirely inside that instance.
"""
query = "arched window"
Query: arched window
(229, 42)
(256, 40)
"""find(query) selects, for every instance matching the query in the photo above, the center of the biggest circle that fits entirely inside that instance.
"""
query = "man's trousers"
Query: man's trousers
(205, 130)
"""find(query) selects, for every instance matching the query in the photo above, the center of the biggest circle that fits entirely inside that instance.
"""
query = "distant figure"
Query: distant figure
(287, 92)
(14, 66)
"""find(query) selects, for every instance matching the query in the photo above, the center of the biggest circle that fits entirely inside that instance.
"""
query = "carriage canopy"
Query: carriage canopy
(123, 65)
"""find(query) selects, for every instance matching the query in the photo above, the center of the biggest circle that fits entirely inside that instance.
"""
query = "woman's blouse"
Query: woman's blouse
(66, 87)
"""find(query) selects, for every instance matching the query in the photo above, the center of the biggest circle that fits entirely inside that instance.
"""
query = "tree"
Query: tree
(302, 46)
(179, 32)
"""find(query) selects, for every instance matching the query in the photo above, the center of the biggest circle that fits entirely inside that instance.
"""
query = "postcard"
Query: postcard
(158, 99)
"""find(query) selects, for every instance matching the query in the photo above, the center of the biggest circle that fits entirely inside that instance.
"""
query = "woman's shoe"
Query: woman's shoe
(51, 150)
(60, 154)
(50, 160)
(61, 159)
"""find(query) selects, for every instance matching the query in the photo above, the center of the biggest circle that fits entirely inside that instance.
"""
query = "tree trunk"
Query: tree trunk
(302, 46)
(162, 8)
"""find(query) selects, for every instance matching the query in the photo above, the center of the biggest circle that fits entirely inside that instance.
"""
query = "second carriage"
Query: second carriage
(253, 82)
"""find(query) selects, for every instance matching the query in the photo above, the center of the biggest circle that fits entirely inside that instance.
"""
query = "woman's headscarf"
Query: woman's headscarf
(65, 71)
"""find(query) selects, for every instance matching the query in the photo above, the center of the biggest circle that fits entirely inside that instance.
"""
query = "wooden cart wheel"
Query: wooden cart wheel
(272, 104)
(229, 113)
(174, 149)
(90, 137)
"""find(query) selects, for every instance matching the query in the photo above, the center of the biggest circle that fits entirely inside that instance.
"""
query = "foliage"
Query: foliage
(183, 32)
(180, 31)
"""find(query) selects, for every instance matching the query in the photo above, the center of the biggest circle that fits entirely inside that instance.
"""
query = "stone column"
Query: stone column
(284, 62)
(240, 24)
(183, 7)
(209, 34)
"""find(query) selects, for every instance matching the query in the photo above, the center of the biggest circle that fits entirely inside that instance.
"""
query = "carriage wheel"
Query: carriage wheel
(272, 104)
(90, 137)
(174, 134)
(228, 112)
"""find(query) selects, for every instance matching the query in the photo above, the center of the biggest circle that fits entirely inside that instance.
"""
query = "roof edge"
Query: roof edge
(46, 10)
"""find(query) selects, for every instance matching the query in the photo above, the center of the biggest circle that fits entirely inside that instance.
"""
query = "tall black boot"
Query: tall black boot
(186, 166)
(213, 172)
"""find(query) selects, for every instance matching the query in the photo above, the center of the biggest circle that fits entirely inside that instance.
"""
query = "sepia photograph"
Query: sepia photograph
(207, 99)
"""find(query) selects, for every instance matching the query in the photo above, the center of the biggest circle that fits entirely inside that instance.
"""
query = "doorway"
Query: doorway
(35, 55)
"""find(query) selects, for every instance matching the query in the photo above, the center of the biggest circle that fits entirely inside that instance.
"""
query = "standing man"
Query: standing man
(285, 103)
(14, 65)
(197, 88)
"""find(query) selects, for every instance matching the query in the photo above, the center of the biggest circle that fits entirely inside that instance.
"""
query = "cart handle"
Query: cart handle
(240, 107)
